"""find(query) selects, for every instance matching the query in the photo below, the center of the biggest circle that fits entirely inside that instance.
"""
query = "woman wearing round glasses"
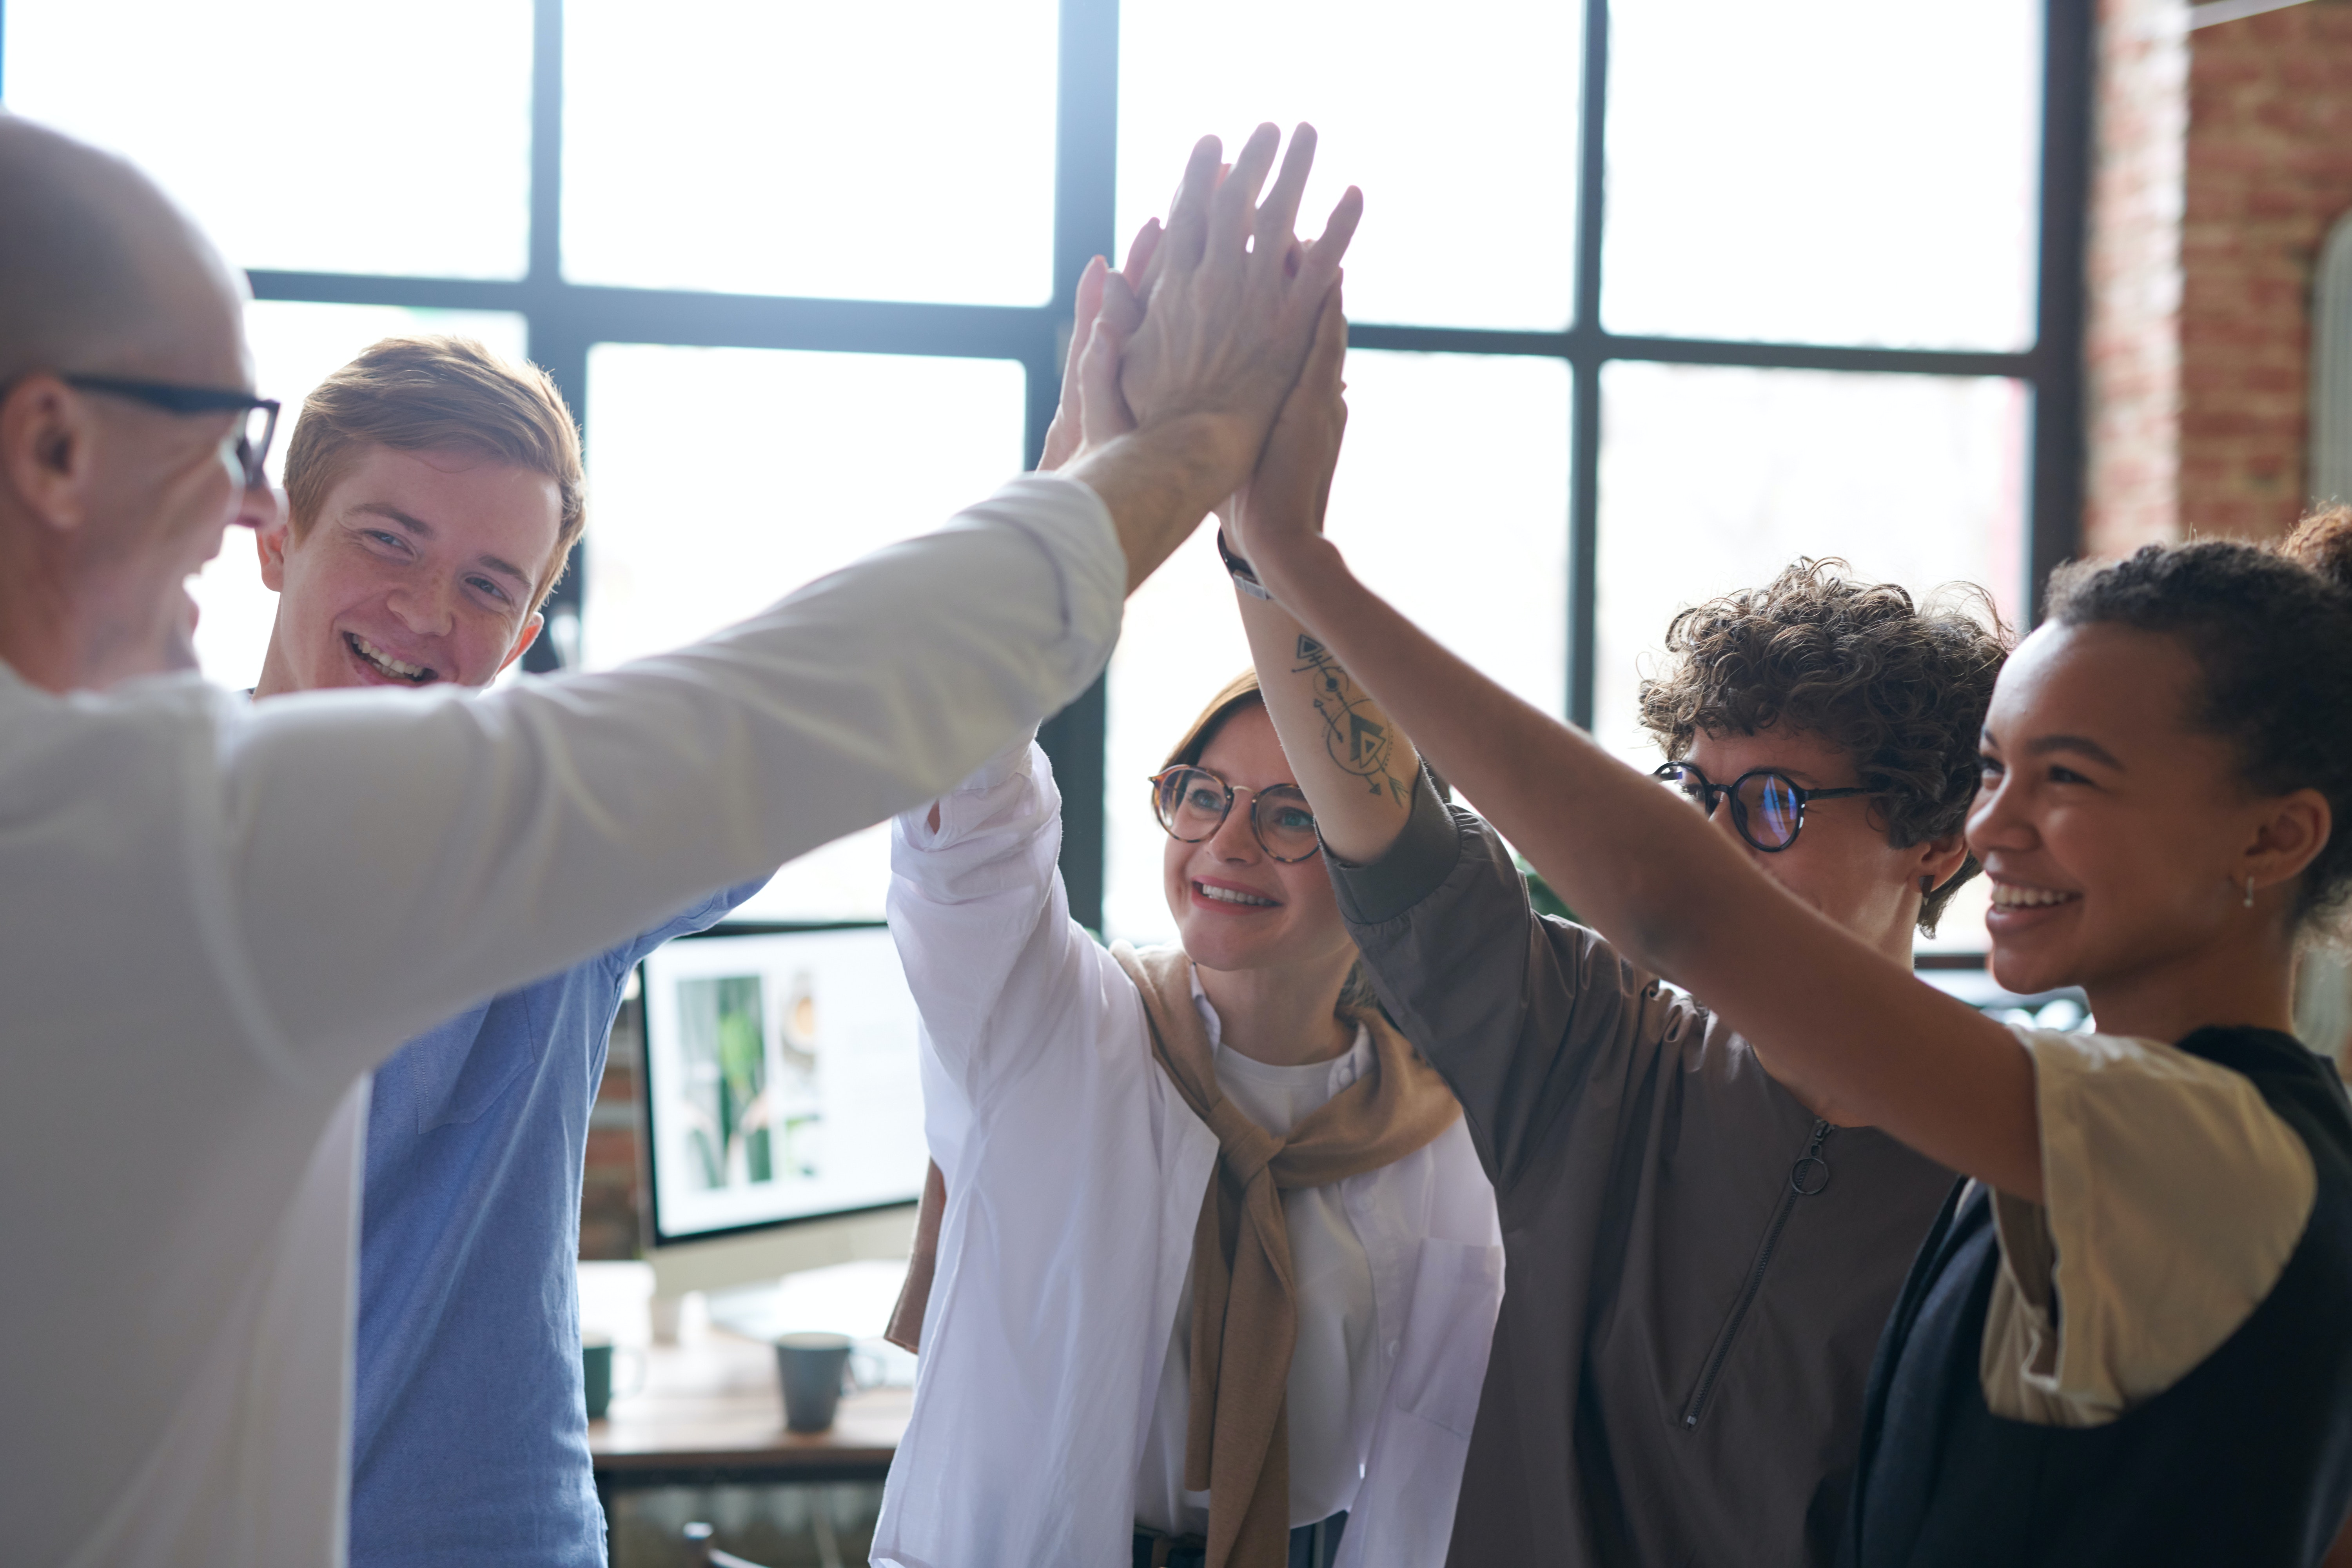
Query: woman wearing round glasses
(1209, 1268)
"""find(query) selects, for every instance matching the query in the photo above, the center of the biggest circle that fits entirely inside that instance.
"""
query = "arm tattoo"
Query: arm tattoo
(1361, 745)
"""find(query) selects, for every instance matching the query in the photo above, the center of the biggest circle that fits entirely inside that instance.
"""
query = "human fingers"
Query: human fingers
(1121, 312)
(1089, 306)
(1103, 408)
(1279, 211)
(1327, 356)
(1235, 202)
(1140, 254)
(1063, 436)
(1188, 214)
(1325, 381)
(1320, 267)
(1287, 494)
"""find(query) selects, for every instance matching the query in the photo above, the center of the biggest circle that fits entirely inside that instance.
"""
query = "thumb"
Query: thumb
(1120, 313)
(1327, 356)
(1102, 410)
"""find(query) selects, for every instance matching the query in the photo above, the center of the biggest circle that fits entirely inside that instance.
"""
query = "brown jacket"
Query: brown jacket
(1677, 1372)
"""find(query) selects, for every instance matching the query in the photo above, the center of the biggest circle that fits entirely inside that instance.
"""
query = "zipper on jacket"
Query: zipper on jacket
(1808, 1176)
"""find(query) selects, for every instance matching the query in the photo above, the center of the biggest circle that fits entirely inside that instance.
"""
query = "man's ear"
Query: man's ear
(1939, 858)
(271, 541)
(47, 449)
(524, 638)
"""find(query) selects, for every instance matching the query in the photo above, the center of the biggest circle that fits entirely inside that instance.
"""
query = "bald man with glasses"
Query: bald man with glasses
(215, 917)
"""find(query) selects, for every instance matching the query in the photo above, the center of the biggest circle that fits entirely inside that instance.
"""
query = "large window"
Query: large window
(1650, 297)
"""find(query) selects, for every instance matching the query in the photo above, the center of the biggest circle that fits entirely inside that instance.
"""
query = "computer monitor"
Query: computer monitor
(782, 1079)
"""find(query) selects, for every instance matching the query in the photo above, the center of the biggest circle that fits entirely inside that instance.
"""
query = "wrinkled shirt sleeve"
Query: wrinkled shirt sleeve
(983, 921)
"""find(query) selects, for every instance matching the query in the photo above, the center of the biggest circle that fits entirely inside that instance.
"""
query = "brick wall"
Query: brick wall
(2132, 322)
(2224, 155)
(2269, 170)
(610, 1198)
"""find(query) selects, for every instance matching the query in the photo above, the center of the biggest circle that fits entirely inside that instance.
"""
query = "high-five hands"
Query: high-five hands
(1180, 361)
(1231, 298)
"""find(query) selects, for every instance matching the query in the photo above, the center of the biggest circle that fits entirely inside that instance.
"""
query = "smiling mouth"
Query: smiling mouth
(1232, 896)
(2016, 896)
(392, 669)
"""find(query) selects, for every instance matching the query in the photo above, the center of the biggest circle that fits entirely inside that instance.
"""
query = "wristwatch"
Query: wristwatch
(1243, 578)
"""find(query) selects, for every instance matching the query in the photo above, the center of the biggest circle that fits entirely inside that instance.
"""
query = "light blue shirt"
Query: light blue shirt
(470, 1440)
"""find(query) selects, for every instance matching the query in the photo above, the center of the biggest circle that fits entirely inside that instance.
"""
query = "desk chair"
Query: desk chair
(698, 1535)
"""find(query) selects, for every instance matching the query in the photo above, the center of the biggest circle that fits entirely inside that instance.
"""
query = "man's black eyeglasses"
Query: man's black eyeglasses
(1768, 809)
(253, 436)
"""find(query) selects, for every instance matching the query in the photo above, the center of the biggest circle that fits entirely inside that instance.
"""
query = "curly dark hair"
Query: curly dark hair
(2271, 629)
(1901, 688)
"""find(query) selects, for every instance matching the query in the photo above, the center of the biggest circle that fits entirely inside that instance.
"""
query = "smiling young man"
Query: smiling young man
(433, 493)
(1697, 1264)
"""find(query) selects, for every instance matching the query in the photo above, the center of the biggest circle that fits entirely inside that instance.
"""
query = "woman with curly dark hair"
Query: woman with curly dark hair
(2125, 1338)
(1698, 1260)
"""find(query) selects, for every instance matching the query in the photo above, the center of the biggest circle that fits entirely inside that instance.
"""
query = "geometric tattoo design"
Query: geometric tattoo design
(1358, 744)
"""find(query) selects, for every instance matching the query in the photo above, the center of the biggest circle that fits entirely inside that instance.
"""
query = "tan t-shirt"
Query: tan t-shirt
(2172, 1197)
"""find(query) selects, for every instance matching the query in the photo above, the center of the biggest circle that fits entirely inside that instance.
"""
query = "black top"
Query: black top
(2245, 1461)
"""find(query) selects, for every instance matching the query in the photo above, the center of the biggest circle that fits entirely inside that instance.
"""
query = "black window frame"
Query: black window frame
(564, 320)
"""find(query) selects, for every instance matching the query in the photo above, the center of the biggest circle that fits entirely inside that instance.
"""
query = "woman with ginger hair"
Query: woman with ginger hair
(1208, 1269)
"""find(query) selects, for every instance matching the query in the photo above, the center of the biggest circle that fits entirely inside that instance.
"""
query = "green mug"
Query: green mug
(596, 1353)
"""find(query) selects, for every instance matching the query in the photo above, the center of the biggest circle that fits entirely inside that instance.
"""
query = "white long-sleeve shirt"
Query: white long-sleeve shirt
(1074, 1173)
(214, 918)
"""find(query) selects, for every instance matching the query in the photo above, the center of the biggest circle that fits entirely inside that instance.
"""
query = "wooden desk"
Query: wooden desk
(712, 1414)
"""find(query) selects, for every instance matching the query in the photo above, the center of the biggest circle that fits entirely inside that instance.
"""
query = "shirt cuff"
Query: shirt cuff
(1414, 867)
(972, 802)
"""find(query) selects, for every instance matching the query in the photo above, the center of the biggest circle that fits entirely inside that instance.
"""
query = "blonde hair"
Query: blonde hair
(429, 393)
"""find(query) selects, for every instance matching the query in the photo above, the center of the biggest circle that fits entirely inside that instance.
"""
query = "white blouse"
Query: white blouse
(1075, 1172)
(1335, 1364)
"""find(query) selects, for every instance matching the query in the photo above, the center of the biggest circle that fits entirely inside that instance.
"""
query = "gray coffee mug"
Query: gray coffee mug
(814, 1367)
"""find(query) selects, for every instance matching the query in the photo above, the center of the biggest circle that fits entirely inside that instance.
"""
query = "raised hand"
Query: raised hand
(1192, 347)
(1285, 497)
(1233, 299)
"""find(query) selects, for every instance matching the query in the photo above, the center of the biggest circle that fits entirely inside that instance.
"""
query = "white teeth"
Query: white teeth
(1232, 896)
(2012, 894)
(385, 661)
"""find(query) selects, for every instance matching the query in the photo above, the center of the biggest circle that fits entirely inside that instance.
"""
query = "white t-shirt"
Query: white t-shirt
(1334, 1362)
(215, 918)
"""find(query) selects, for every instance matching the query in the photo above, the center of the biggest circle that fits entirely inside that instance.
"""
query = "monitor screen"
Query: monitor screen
(782, 1079)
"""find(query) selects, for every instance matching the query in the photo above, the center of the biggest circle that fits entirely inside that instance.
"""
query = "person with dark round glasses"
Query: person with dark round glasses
(1768, 807)
(1699, 1260)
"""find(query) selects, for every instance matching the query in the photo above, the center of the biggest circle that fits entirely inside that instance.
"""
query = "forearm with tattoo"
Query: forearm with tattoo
(1356, 734)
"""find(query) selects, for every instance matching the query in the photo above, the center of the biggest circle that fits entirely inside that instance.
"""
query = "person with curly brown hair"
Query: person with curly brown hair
(1698, 1260)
